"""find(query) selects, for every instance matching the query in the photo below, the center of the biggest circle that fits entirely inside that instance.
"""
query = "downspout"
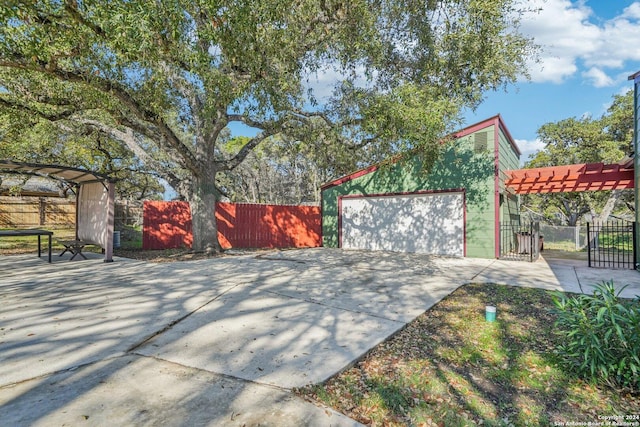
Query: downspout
(496, 188)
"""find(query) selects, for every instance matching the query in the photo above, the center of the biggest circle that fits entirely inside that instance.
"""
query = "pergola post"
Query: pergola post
(111, 195)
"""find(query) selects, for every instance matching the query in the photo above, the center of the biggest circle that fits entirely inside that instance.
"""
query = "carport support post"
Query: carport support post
(636, 165)
(111, 195)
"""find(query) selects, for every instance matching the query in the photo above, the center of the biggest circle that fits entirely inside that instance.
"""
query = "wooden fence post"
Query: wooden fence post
(41, 210)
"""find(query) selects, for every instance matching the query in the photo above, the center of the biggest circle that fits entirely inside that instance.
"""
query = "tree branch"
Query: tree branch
(110, 88)
(246, 120)
(71, 6)
(182, 86)
(12, 103)
(129, 139)
(232, 163)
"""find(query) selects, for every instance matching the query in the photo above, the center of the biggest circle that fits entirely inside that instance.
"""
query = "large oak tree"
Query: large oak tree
(169, 78)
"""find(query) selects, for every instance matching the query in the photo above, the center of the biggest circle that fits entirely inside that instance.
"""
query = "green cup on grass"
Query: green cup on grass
(490, 313)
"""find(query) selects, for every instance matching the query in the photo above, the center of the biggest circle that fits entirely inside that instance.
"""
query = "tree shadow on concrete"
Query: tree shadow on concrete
(70, 332)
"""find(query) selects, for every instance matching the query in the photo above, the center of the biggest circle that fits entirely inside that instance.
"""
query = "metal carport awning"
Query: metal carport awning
(94, 203)
(69, 174)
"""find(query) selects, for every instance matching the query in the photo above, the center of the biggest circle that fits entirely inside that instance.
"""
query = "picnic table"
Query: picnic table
(30, 232)
(74, 247)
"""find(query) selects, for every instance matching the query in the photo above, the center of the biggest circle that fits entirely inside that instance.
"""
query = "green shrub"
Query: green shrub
(600, 336)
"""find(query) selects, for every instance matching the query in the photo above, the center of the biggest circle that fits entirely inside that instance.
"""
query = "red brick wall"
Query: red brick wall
(168, 225)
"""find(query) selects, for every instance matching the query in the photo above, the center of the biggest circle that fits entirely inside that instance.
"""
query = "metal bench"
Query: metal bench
(74, 247)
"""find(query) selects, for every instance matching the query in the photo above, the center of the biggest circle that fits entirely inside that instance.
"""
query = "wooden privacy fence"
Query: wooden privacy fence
(24, 212)
(167, 225)
(28, 212)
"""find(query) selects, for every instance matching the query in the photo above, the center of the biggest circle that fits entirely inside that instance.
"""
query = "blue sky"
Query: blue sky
(589, 48)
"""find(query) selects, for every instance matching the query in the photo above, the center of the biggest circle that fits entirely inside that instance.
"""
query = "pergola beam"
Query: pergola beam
(568, 178)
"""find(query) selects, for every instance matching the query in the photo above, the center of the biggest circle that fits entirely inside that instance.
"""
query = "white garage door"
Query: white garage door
(423, 223)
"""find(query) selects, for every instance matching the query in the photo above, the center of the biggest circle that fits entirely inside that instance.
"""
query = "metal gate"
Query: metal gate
(520, 241)
(611, 244)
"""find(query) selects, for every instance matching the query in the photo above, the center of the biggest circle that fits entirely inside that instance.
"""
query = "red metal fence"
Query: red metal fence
(168, 225)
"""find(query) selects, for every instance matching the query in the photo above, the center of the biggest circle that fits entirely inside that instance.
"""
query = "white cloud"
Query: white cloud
(598, 77)
(552, 69)
(563, 31)
(618, 42)
(528, 148)
(571, 36)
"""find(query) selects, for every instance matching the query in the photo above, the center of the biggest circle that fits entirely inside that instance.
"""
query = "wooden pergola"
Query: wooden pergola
(580, 177)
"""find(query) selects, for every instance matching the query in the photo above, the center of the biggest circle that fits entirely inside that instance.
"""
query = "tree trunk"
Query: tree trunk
(609, 205)
(571, 213)
(573, 210)
(203, 218)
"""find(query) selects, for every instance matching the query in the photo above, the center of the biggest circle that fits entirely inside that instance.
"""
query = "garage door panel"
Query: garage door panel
(424, 223)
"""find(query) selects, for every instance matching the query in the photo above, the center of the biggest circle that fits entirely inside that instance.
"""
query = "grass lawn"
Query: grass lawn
(450, 367)
(562, 254)
(130, 240)
(29, 244)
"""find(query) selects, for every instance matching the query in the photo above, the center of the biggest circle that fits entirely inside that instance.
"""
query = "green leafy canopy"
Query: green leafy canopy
(167, 79)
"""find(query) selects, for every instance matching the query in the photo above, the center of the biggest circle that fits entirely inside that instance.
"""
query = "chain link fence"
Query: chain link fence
(564, 238)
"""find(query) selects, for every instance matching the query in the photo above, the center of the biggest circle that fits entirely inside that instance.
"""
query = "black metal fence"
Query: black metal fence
(611, 244)
(520, 241)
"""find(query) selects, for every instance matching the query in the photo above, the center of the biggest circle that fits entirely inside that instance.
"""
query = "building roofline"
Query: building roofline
(494, 120)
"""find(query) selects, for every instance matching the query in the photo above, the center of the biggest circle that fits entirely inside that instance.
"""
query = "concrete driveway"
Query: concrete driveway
(220, 341)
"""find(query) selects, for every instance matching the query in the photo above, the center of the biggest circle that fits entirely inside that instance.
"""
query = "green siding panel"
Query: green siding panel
(467, 163)
(508, 160)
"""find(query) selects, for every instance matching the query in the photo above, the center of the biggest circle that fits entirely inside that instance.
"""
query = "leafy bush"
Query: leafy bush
(601, 336)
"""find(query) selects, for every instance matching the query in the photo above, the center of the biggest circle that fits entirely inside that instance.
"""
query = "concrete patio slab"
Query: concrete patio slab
(87, 311)
(556, 275)
(218, 341)
(141, 391)
(264, 333)
(270, 339)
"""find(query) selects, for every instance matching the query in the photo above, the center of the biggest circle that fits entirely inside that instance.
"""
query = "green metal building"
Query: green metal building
(454, 209)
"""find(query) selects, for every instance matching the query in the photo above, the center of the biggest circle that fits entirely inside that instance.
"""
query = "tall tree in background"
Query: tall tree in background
(573, 141)
(168, 78)
(284, 170)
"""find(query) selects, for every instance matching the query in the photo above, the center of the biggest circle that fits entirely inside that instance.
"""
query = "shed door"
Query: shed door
(424, 223)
